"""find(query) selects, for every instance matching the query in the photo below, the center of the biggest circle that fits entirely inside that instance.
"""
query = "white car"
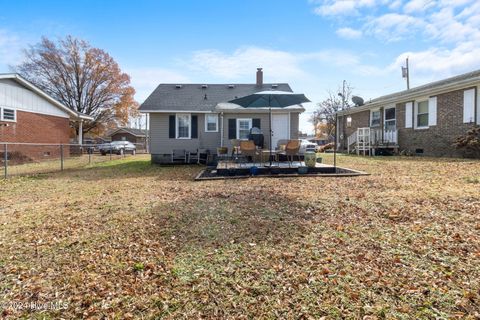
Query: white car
(306, 145)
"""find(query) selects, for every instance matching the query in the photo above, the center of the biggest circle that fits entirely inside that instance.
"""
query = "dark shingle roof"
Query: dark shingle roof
(192, 96)
(431, 85)
(133, 131)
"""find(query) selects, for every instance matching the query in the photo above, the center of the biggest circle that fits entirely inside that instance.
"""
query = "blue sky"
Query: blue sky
(313, 45)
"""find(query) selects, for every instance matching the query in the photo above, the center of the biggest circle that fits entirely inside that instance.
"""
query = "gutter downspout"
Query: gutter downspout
(221, 131)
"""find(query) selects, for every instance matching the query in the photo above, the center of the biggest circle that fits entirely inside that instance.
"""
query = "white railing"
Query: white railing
(387, 136)
(351, 140)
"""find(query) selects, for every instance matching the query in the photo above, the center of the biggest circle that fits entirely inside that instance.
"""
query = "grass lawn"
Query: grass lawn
(124, 239)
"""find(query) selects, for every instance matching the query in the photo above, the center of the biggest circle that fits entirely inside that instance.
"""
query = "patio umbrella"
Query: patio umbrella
(270, 99)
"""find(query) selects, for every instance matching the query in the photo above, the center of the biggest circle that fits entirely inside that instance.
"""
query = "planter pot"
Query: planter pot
(310, 159)
(253, 171)
(302, 170)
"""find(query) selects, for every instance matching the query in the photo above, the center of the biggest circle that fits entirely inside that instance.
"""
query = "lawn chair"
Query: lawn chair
(248, 149)
(203, 156)
(179, 155)
(193, 155)
(292, 149)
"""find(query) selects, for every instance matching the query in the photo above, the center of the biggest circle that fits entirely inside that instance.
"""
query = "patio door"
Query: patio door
(280, 128)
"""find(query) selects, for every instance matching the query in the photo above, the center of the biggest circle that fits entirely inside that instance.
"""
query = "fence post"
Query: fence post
(110, 152)
(5, 158)
(89, 157)
(61, 157)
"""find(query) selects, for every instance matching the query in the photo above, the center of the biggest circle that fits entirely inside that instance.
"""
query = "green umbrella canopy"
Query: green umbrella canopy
(270, 99)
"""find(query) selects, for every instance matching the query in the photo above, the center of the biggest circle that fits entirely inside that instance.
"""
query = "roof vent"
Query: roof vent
(204, 86)
(231, 86)
(178, 86)
(274, 86)
(205, 98)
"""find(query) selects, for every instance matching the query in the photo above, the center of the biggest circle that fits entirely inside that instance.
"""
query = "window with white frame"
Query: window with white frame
(243, 128)
(374, 118)
(390, 119)
(422, 114)
(183, 126)
(7, 114)
(211, 123)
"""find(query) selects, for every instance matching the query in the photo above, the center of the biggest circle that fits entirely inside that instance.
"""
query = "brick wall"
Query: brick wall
(434, 141)
(35, 128)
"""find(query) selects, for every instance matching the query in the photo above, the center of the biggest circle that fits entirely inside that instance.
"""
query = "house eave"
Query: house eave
(412, 95)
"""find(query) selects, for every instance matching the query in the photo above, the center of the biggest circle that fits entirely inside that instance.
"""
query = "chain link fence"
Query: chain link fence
(33, 158)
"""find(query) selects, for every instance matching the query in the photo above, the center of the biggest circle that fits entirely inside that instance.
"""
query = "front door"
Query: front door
(280, 128)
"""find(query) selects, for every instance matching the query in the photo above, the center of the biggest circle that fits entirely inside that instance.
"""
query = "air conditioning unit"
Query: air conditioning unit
(204, 86)
(178, 86)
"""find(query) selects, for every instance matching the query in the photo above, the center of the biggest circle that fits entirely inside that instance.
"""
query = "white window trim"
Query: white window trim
(238, 125)
(415, 114)
(385, 115)
(189, 126)
(371, 118)
(8, 120)
(216, 122)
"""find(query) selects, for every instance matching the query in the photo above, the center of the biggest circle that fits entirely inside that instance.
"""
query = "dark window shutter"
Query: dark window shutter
(171, 127)
(194, 127)
(232, 128)
(256, 123)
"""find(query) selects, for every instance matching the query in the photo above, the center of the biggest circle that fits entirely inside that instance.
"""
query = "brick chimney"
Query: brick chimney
(259, 77)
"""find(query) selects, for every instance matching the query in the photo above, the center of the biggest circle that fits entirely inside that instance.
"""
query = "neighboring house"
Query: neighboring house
(136, 136)
(29, 115)
(423, 120)
(196, 116)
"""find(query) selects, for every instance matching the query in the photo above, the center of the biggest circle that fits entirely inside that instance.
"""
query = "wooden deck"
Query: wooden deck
(228, 164)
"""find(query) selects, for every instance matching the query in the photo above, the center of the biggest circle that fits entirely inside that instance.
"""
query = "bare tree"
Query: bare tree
(83, 78)
(324, 114)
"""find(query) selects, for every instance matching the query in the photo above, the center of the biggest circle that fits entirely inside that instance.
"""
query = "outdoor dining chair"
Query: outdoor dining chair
(248, 149)
(292, 149)
(179, 155)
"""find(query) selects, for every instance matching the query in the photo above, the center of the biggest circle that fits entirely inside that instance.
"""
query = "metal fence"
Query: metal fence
(33, 158)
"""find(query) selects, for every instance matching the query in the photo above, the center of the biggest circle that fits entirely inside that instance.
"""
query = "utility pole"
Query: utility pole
(406, 74)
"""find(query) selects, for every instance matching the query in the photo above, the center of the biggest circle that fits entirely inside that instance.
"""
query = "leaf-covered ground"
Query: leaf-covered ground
(125, 239)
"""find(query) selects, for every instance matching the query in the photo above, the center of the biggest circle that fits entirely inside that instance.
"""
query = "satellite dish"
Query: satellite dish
(358, 101)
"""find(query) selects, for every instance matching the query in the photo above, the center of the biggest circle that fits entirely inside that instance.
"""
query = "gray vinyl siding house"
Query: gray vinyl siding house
(191, 116)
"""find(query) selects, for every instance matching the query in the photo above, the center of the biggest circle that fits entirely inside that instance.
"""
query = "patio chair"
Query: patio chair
(203, 156)
(222, 154)
(248, 149)
(235, 147)
(193, 155)
(179, 155)
(292, 149)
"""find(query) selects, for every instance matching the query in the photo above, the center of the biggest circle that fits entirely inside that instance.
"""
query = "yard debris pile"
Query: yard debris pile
(128, 240)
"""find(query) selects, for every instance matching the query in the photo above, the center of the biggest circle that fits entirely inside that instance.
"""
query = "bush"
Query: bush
(469, 143)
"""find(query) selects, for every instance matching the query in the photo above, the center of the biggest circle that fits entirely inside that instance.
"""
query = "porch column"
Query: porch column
(80, 132)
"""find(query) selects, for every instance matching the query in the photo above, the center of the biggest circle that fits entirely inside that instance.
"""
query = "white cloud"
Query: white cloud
(10, 49)
(343, 7)
(281, 64)
(145, 80)
(393, 26)
(418, 5)
(349, 33)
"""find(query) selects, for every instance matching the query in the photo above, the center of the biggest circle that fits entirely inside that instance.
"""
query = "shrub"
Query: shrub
(469, 144)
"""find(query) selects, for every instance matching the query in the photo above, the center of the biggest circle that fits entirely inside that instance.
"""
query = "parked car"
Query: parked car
(306, 145)
(117, 147)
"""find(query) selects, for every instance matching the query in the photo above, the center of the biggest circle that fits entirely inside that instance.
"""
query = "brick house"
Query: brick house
(423, 120)
(30, 116)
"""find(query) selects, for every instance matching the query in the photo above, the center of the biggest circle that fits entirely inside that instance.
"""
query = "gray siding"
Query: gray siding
(161, 144)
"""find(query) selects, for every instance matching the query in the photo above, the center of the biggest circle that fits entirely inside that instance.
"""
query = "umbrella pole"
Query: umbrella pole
(270, 120)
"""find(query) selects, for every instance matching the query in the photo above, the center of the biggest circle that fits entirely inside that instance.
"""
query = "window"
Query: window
(374, 118)
(8, 114)
(243, 128)
(124, 138)
(349, 122)
(183, 126)
(422, 114)
(211, 123)
(390, 119)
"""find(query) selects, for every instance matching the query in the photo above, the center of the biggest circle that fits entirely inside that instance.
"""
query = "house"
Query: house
(135, 136)
(197, 116)
(424, 120)
(30, 116)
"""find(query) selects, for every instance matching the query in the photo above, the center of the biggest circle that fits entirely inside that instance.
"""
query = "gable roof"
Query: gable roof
(27, 84)
(133, 131)
(432, 88)
(191, 97)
